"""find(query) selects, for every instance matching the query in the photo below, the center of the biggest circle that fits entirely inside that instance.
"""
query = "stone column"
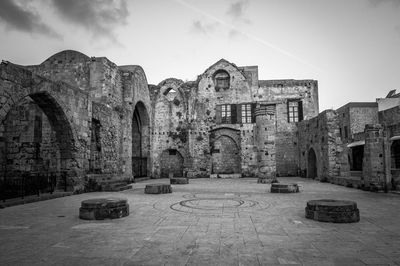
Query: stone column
(265, 132)
(373, 163)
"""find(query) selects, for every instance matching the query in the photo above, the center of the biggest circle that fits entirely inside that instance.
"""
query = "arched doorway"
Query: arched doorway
(140, 140)
(395, 154)
(312, 164)
(171, 162)
(37, 145)
(225, 156)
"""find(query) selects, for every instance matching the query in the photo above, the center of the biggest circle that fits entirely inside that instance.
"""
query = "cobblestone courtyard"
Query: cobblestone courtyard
(208, 222)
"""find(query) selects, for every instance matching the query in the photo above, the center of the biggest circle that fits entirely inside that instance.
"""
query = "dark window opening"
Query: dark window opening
(172, 152)
(395, 154)
(346, 133)
(221, 80)
(356, 158)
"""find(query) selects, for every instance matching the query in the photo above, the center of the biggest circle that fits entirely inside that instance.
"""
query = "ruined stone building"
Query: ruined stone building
(84, 118)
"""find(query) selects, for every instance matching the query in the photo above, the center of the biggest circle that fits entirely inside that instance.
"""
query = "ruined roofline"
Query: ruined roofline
(358, 104)
(286, 82)
(29, 74)
(66, 55)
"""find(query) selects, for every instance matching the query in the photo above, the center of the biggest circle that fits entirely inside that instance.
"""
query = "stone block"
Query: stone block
(284, 188)
(103, 208)
(179, 180)
(333, 211)
(158, 189)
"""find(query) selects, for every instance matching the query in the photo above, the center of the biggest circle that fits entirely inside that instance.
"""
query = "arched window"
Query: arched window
(221, 80)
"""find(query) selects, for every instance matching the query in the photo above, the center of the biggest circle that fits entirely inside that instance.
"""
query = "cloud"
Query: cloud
(100, 17)
(17, 17)
(236, 11)
(203, 28)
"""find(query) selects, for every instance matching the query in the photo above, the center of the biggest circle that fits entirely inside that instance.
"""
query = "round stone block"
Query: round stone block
(284, 188)
(158, 189)
(179, 180)
(103, 208)
(333, 211)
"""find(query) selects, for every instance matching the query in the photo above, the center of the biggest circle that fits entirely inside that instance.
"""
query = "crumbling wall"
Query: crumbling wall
(203, 102)
(322, 135)
(30, 142)
(170, 131)
(280, 92)
(69, 66)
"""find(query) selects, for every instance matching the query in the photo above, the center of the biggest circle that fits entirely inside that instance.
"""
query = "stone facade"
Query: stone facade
(228, 123)
(73, 114)
(87, 118)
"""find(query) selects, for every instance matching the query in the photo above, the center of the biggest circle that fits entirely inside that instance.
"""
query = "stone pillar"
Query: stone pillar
(373, 164)
(265, 132)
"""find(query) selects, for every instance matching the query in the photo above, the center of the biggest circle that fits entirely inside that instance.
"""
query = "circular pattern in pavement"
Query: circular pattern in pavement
(214, 204)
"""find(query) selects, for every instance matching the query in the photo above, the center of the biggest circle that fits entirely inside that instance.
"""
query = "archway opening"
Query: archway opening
(140, 141)
(225, 156)
(312, 164)
(171, 162)
(36, 147)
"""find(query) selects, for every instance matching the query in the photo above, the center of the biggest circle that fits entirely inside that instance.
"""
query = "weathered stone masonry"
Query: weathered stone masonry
(89, 118)
(89, 104)
(213, 123)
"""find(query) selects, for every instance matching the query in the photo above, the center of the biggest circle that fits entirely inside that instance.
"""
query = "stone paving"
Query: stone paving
(207, 222)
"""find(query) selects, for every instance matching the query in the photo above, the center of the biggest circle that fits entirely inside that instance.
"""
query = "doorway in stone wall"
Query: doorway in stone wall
(312, 164)
(171, 162)
(140, 141)
(37, 147)
(225, 156)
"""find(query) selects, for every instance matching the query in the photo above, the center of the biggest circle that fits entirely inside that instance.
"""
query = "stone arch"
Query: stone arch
(140, 140)
(312, 171)
(221, 79)
(59, 124)
(171, 162)
(226, 157)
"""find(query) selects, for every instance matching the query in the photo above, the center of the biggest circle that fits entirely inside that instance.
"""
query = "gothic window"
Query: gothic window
(295, 111)
(226, 113)
(221, 80)
(246, 113)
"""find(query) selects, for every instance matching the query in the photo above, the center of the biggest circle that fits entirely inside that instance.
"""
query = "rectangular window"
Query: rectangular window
(246, 113)
(346, 133)
(293, 111)
(226, 113)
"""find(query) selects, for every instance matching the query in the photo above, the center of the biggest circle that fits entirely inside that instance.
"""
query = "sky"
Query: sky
(352, 47)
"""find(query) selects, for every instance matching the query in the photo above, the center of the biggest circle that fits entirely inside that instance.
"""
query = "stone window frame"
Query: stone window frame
(246, 113)
(226, 113)
(294, 111)
(221, 80)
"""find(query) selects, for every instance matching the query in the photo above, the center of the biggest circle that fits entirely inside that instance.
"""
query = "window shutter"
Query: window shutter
(300, 111)
(233, 114)
(218, 114)
(253, 112)
(239, 113)
(288, 115)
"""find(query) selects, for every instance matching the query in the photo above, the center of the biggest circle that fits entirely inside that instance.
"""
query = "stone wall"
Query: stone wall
(280, 92)
(373, 165)
(30, 144)
(354, 116)
(322, 135)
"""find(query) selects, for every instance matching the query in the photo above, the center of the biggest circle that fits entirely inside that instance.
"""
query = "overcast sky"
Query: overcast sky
(352, 47)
